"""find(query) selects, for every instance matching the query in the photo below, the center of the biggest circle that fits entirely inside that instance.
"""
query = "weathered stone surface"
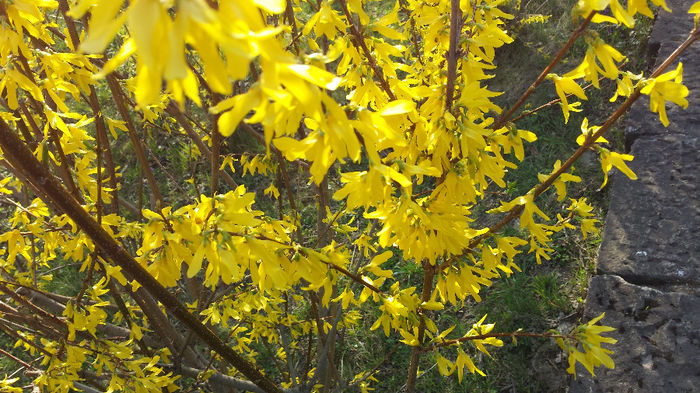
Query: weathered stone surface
(659, 339)
(670, 30)
(649, 260)
(652, 231)
(643, 123)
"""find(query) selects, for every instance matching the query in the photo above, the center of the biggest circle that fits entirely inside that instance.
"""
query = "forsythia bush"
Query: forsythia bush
(384, 118)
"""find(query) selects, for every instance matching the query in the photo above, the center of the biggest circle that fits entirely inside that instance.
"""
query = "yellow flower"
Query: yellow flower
(586, 131)
(607, 56)
(600, 58)
(560, 183)
(567, 85)
(608, 159)
(666, 87)
(594, 355)
(639, 6)
(583, 210)
(625, 86)
(621, 14)
(585, 7)
(695, 8)
(325, 22)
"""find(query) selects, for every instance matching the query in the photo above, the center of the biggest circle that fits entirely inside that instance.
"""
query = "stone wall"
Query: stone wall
(648, 271)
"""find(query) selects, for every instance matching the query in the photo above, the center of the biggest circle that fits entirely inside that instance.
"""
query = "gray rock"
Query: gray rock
(652, 231)
(649, 260)
(670, 30)
(643, 123)
(659, 339)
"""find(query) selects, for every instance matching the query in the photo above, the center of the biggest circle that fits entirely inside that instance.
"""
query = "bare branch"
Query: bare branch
(13, 146)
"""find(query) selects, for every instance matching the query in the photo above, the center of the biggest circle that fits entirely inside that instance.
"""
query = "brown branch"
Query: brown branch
(493, 335)
(16, 359)
(331, 222)
(64, 163)
(221, 381)
(455, 32)
(215, 149)
(22, 126)
(360, 40)
(428, 275)
(543, 75)
(13, 146)
(322, 228)
(100, 128)
(175, 111)
(31, 323)
(72, 31)
(284, 176)
(162, 326)
(414, 32)
(88, 277)
(120, 100)
(285, 336)
(354, 277)
(555, 101)
(38, 134)
(7, 330)
(215, 137)
(64, 170)
(104, 152)
(36, 311)
(98, 155)
(47, 302)
(291, 20)
(281, 369)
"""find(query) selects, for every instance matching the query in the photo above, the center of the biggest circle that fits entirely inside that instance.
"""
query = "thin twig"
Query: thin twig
(543, 75)
(52, 189)
(376, 368)
(555, 101)
(16, 359)
(355, 30)
(493, 335)
(428, 275)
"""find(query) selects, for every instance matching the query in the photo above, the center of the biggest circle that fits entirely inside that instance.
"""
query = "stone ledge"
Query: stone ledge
(653, 223)
(659, 340)
(669, 31)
